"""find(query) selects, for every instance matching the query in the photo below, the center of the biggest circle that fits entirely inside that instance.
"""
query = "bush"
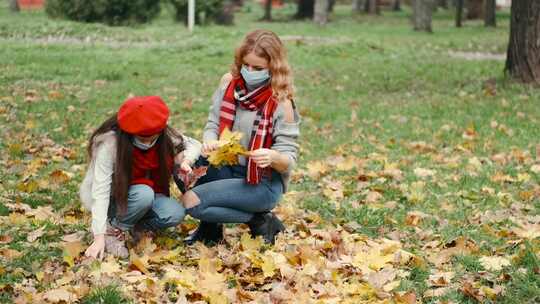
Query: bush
(111, 12)
(206, 11)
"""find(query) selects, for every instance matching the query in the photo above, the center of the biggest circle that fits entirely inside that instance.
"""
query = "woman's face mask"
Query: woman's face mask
(253, 78)
(143, 146)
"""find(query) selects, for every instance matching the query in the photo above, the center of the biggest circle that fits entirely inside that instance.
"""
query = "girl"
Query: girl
(126, 187)
(256, 99)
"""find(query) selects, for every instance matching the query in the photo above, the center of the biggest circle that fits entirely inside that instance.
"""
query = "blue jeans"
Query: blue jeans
(225, 197)
(150, 211)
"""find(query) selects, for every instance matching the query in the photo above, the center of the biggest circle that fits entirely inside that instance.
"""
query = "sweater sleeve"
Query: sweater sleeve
(211, 130)
(286, 136)
(193, 148)
(101, 187)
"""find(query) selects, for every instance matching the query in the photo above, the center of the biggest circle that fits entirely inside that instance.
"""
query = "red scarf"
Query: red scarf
(145, 169)
(260, 100)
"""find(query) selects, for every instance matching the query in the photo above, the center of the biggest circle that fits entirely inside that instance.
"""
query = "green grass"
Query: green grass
(404, 86)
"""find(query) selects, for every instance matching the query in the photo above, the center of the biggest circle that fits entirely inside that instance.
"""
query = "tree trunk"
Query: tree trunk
(396, 6)
(490, 14)
(321, 12)
(523, 56)
(475, 9)
(356, 6)
(422, 13)
(14, 5)
(267, 11)
(305, 9)
(331, 4)
(459, 12)
(372, 7)
(443, 4)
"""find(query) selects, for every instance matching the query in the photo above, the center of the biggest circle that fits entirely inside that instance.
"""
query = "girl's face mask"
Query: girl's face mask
(253, 78)
(139, 144)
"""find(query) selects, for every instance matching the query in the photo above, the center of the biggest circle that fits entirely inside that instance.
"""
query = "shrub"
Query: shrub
(111, 12)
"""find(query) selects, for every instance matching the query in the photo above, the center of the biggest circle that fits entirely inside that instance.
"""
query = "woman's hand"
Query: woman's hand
(208, 147)
(97, 248)
(263, 157)
(185, 166)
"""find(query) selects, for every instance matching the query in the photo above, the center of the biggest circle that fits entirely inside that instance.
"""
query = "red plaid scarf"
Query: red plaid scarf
(260, 100)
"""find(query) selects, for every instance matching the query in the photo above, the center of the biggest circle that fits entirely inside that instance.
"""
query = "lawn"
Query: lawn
(418, 178)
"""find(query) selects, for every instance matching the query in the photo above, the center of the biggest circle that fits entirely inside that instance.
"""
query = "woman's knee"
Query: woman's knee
(141, 196)
(175, 216)
(190, 199)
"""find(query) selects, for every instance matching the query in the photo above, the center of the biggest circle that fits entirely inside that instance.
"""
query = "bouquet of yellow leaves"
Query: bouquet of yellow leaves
(229, 149)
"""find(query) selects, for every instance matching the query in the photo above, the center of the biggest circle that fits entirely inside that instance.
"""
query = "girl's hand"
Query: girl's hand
(263, 157)
(97, 248)
(208, 147)
(185, 166)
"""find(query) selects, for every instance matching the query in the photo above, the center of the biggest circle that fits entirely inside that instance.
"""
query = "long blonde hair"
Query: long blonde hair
(266, 44)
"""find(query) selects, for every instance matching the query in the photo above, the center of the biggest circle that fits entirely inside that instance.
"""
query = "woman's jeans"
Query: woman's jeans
(225, 197)
(148, 210)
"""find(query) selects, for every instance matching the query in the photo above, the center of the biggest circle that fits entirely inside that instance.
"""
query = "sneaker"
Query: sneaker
(208, 233)
(115, 242)
(267, 225)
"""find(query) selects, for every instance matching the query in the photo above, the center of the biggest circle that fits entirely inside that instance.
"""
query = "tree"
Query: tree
(475, 9)
(490, 14)
(372, 7)
(14, 5)
(523, 56)
(321, 12)
(459, 12)
(305, 9)
(267, 11)
(396, 6)
(356, 6)
(422, 14)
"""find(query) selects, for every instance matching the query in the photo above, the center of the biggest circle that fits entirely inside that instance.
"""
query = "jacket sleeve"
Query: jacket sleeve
(192, 148)
(101, 187)
(211, 130)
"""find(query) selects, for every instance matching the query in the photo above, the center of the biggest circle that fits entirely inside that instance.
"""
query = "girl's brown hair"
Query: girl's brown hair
(266, 44)
(124, 158)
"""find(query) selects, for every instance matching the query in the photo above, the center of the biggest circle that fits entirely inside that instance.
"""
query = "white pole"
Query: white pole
(191, 15)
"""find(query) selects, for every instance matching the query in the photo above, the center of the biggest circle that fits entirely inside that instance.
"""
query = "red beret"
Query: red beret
(143, 115)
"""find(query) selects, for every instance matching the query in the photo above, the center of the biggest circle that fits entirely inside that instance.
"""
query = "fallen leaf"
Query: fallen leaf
(59, 295)
(36, 234)
(494, 263)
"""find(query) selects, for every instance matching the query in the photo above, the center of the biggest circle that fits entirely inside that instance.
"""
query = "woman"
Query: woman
(256, 99)
(126, 187)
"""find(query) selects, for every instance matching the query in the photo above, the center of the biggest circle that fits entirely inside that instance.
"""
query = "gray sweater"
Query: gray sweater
(285, 134)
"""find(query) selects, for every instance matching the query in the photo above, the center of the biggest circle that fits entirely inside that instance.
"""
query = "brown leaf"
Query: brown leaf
(5, 239)
(10, 254)
(59, 295)
(36, 234)
(472, 292)
(406, 298)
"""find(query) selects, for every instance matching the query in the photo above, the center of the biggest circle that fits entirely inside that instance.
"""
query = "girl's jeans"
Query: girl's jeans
(150, 211)
(225, 197)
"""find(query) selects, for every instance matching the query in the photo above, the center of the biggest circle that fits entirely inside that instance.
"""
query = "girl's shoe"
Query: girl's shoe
(208, 233)
(115, 242)
(267, 225)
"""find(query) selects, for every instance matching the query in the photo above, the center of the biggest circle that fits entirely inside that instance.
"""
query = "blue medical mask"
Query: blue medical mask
(139, 144)
(254, 78)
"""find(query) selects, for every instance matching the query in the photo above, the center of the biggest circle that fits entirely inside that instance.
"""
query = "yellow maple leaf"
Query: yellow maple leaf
(229, 149)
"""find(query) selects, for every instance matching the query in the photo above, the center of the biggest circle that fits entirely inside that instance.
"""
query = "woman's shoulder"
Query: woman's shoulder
(225, 80)
(287, 110)
(106, 140)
